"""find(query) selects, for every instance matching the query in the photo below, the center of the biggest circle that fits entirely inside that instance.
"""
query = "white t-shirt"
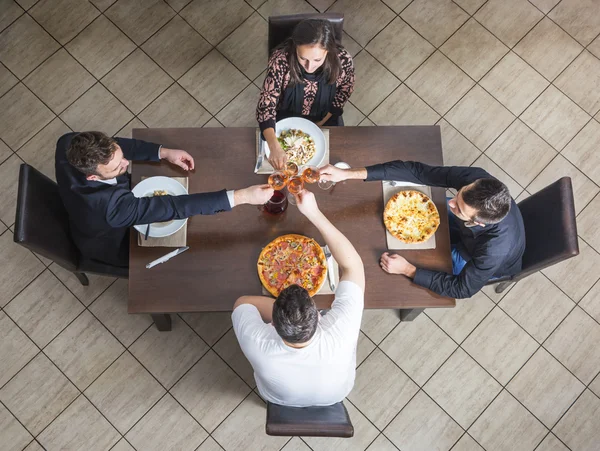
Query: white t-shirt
(319, 374)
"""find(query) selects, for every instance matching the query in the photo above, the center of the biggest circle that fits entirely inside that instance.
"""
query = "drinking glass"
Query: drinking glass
(278, 180)
(295, 185)
(277, 204)
(311, 174)
(327, 184)
(291, 169)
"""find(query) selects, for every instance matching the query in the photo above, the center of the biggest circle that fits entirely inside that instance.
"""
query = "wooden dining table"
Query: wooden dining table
(220, 264)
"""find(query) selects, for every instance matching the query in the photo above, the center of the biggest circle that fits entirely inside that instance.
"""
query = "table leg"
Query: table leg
(162, 321)
(410, 314)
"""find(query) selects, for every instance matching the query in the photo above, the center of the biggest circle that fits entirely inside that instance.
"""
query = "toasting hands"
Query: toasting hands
(178, 157)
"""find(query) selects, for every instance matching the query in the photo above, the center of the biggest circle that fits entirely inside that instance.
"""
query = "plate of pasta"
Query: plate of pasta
(302, 141)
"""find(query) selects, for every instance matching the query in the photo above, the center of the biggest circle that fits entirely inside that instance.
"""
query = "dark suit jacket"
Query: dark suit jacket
(100, 214)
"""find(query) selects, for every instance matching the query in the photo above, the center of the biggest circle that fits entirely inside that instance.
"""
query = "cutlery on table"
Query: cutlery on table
(166, 257)
(261, 154)
(147, 232)
(330, 276)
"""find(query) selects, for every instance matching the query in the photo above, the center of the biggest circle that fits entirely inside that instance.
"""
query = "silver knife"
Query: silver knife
(166, 257)
(261, 154)
(330, 276)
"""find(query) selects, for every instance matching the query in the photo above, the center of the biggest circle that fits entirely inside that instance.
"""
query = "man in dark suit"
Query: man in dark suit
(91, 171)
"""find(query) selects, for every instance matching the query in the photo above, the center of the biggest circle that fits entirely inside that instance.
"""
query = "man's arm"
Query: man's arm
(138, 150)
(263, 304)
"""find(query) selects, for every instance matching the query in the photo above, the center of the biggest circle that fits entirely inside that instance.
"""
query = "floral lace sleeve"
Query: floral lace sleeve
(344, 84)
(275, 82)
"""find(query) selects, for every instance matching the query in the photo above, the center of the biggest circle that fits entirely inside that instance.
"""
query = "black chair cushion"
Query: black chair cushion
(281, 27)
(328, 421)
(95, 267)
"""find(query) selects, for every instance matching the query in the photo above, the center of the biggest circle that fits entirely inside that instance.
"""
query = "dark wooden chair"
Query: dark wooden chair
(550, 230)
(329, 421)
(281, 27)
(42, 225)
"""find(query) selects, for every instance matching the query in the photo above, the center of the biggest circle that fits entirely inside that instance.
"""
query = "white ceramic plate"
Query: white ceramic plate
(308, 127)
(146, 188)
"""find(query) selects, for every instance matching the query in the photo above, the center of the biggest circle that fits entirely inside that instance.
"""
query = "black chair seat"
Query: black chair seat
(281, 27)
(328, 421)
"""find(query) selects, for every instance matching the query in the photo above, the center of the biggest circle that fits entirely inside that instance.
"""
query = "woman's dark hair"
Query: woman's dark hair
(313, 32)
(295, 315)
(89, 149)
(491, 199)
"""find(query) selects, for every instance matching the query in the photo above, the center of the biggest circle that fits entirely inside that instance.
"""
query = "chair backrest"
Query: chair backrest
(281, 27)
(41, 222)
(328, 421)
(550, 227)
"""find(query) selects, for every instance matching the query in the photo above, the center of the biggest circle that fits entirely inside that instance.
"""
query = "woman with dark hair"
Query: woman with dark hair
(309, 76)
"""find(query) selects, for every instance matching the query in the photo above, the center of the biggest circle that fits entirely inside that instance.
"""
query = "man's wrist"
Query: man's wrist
(356, 173)
(162, 152)
(239, 197)
(411, 271)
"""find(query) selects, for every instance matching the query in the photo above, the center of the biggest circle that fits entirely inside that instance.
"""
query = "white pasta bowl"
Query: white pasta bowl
(308, 127)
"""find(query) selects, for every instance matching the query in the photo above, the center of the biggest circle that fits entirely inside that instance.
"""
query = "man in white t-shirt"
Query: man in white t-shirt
(300, 358)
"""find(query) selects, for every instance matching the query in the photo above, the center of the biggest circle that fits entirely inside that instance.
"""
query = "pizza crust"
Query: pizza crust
(411, 216)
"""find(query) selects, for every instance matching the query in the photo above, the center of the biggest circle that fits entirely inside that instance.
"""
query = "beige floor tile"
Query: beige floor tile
(404, 107)
(59, 81)
(595, 385)
(213, 123)
(474, 49)
(111, 309)
(214, 21)
(84, 350)
(175, 108)
(137, 81)
(241, 49)
(123, 445)
(126, 132)
(7, 80)
(580, 427)
(24, 45)
(537, 305)
(459, 322)
(167, 427)
(548, 49)
(363, 348)
(210, 326)
(9, 184)
(581, 82)
(367, 96)
(435, 20)
(545, 5)
(582, 151)
(44, 308)
(100, 4)
(591, 304)
(364, 433)
(139, 19)
(10, 12)
(551, 443)
(381, 443)
(457, 150)
(479, 117)
(19, 267)
(507, 425)
(576, 275)
(367, 123)
(462, 388)
(521, 153)
(381, 389)
(467, 443)
(63, 19)
(363, 19)
(579, 18)
(295, 444)
(97, 109)
(100, 47)
(22, 115)
(98, 284)
(514, 83)
(214, 81)
(169, 356)
(39, 151)
(26, 4)
(400, 48)
(35, 446)
(210, 391)
(555, 117)
(16, 349)
(440, 82)
(38, 394)
(283, 7)
(594, 47)
(80, 426)
(350, 44)
(210, 445)
(176, 47)
(470, 6)
(352, 116)
(495, 170)
(241, 111)
(376, 324)
(500, 346)
(574, 344)
(545, 387)
(509, 20)
(229, 350)
(124, 392)
(13, 435)
(422, 425)
(418, 347)
(584, 189)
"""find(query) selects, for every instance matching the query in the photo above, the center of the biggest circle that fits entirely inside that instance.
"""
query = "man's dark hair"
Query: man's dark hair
(89, 149)
(491, 199)
(295, 315)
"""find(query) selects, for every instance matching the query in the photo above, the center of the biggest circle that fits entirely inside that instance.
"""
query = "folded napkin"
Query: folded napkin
(388, 191)
(178, 239)
(266, 168)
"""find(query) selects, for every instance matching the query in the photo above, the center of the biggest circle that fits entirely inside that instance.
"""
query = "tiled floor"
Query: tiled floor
(515, 87)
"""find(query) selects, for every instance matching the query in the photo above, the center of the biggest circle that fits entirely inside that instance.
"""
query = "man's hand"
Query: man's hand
(395, 264)
(333, 174)
(277, 156)
(177, 157)
(254, 195)
(307, 204)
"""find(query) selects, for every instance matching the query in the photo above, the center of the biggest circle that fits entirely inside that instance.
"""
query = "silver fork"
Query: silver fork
(330, 276)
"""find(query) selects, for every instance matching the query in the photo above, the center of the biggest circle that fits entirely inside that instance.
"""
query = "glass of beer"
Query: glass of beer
(278, 180)
(295, 185)
(277, 204)
(311, 174)
(291, 169)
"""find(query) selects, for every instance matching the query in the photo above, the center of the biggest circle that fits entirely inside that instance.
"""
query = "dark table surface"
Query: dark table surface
(220, 265)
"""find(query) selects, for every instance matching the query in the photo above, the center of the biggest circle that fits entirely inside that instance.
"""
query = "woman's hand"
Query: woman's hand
(277, 156)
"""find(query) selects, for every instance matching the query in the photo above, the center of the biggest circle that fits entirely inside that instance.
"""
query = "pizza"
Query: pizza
(292, 259)
(411, 216)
